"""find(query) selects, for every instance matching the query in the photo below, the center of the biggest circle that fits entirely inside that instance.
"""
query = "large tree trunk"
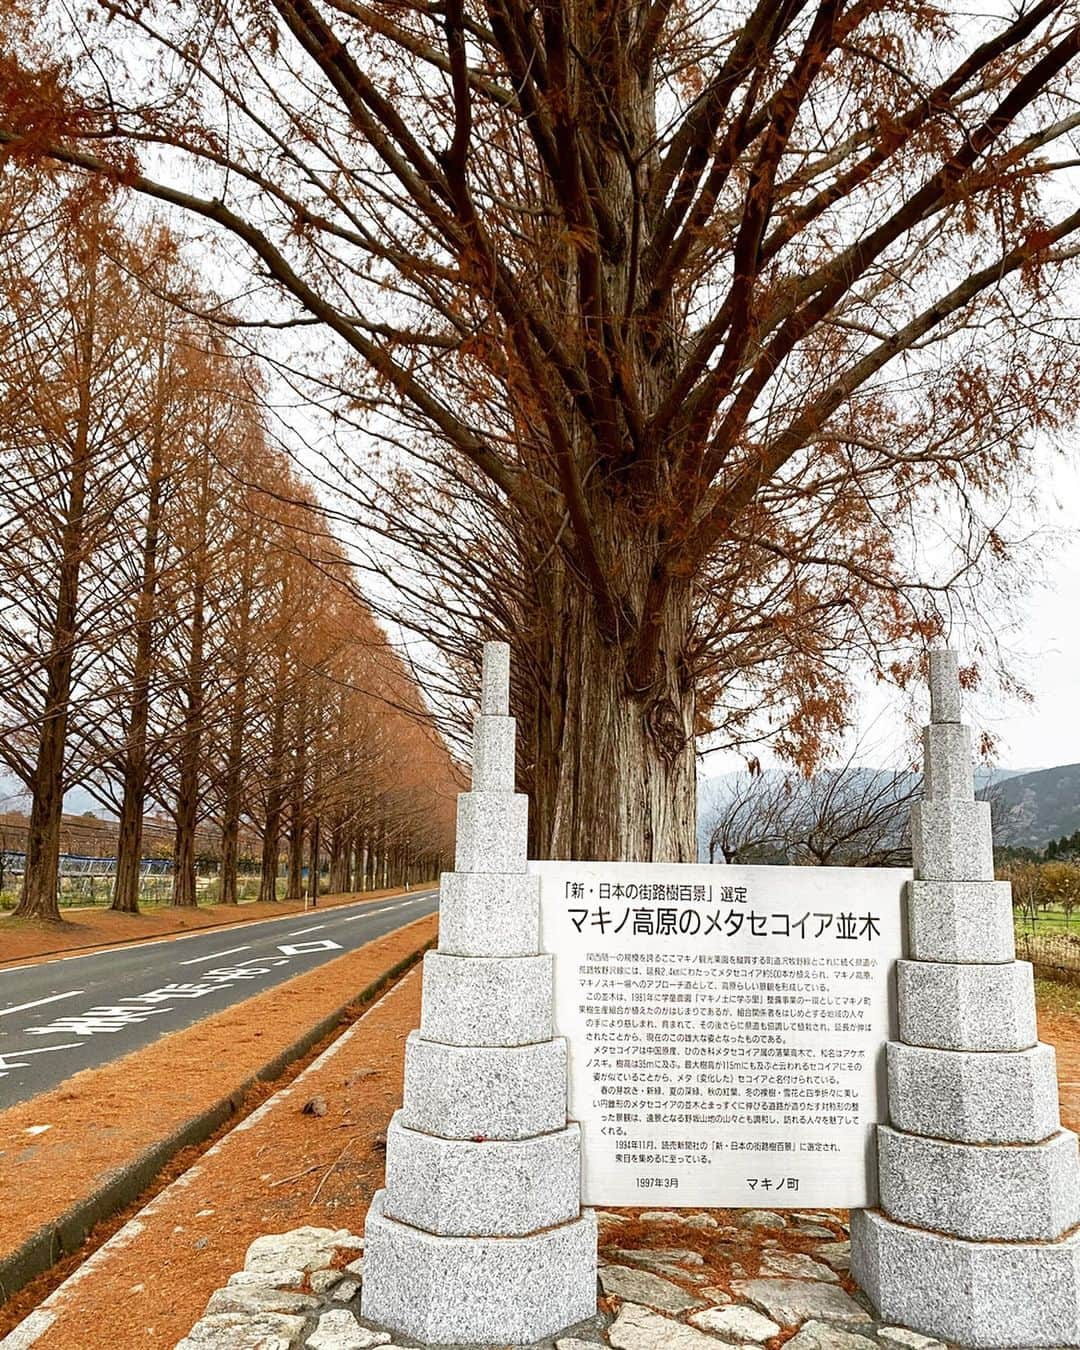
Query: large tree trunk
(185, 894)
(313, 866)
(39, 893)
(360, 865)
(271, 836)
(230, 853)
(129, 840)
(613, 767)
(275, 791)
(613, 770)
(133, 804)
(340, 849)
(297, 803)
(41, 878)
(294, 889)
(230, 823)
(187, 796)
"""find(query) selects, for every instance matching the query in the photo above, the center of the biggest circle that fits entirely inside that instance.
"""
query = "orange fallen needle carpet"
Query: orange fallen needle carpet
(283, 1167)
(279, 1169)
(100, 1120)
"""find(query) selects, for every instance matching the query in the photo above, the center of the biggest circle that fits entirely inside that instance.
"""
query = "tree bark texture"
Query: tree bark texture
(134, 765)
(187, 795)
(609, 757)
(39, 898)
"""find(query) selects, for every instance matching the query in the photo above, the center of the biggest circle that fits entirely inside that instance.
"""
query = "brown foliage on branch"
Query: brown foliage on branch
(701, 312)
(180, 631)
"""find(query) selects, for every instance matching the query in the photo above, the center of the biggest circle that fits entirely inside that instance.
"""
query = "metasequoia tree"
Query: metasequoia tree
(69, 366)
(332, 755)
(246, 645)
(170, 592)
(707, 306)
(127, 674)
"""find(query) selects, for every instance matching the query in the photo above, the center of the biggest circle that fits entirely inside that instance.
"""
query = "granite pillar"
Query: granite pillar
(975, 1240)
(479, 1235)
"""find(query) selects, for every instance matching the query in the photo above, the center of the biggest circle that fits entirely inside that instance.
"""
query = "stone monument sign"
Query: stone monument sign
(728, 1029)
(976, 1239)
(725, 1027)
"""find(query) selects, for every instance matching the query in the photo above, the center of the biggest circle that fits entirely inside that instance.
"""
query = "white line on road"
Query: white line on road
(108, 951)
(301, 931)
(41, 1050)
(39, 1001)
(372, 912)
(214, 956)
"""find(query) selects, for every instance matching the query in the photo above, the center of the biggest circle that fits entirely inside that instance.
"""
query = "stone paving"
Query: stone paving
(748, 1290)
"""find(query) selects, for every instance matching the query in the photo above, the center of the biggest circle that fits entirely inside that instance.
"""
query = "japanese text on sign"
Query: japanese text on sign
(725, 1036)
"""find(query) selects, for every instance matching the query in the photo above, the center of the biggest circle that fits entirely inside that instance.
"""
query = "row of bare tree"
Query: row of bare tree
(712, 341)
(847, 816)
(179, 629)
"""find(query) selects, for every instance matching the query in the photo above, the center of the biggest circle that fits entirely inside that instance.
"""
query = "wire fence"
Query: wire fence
(81, 865)
(84, 880)
(1054, 954)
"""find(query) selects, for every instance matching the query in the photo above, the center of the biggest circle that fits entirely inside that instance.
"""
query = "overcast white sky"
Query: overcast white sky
(1045, 645)
(1048, 732)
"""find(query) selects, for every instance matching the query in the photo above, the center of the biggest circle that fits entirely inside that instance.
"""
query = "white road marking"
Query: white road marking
(55, 998)
(108, 951)
(303, 948)
(301, 931)
(6, 1064)
(214, 956)
(31, 1329)
(368, 914)
(104, 1017)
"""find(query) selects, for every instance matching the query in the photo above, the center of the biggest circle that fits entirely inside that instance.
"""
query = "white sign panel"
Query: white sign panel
(726, 1027)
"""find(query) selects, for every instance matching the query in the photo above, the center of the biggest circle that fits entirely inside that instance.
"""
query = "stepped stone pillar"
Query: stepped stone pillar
(976, 1239)
(479, 1235)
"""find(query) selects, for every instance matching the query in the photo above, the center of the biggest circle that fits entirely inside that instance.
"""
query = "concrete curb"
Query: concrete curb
(59, 1236)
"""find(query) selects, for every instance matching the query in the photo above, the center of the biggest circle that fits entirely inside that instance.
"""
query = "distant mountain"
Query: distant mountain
(1038, 806)
(985, 777)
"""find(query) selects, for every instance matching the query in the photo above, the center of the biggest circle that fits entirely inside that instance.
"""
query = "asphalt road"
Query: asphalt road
(77, 1012)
